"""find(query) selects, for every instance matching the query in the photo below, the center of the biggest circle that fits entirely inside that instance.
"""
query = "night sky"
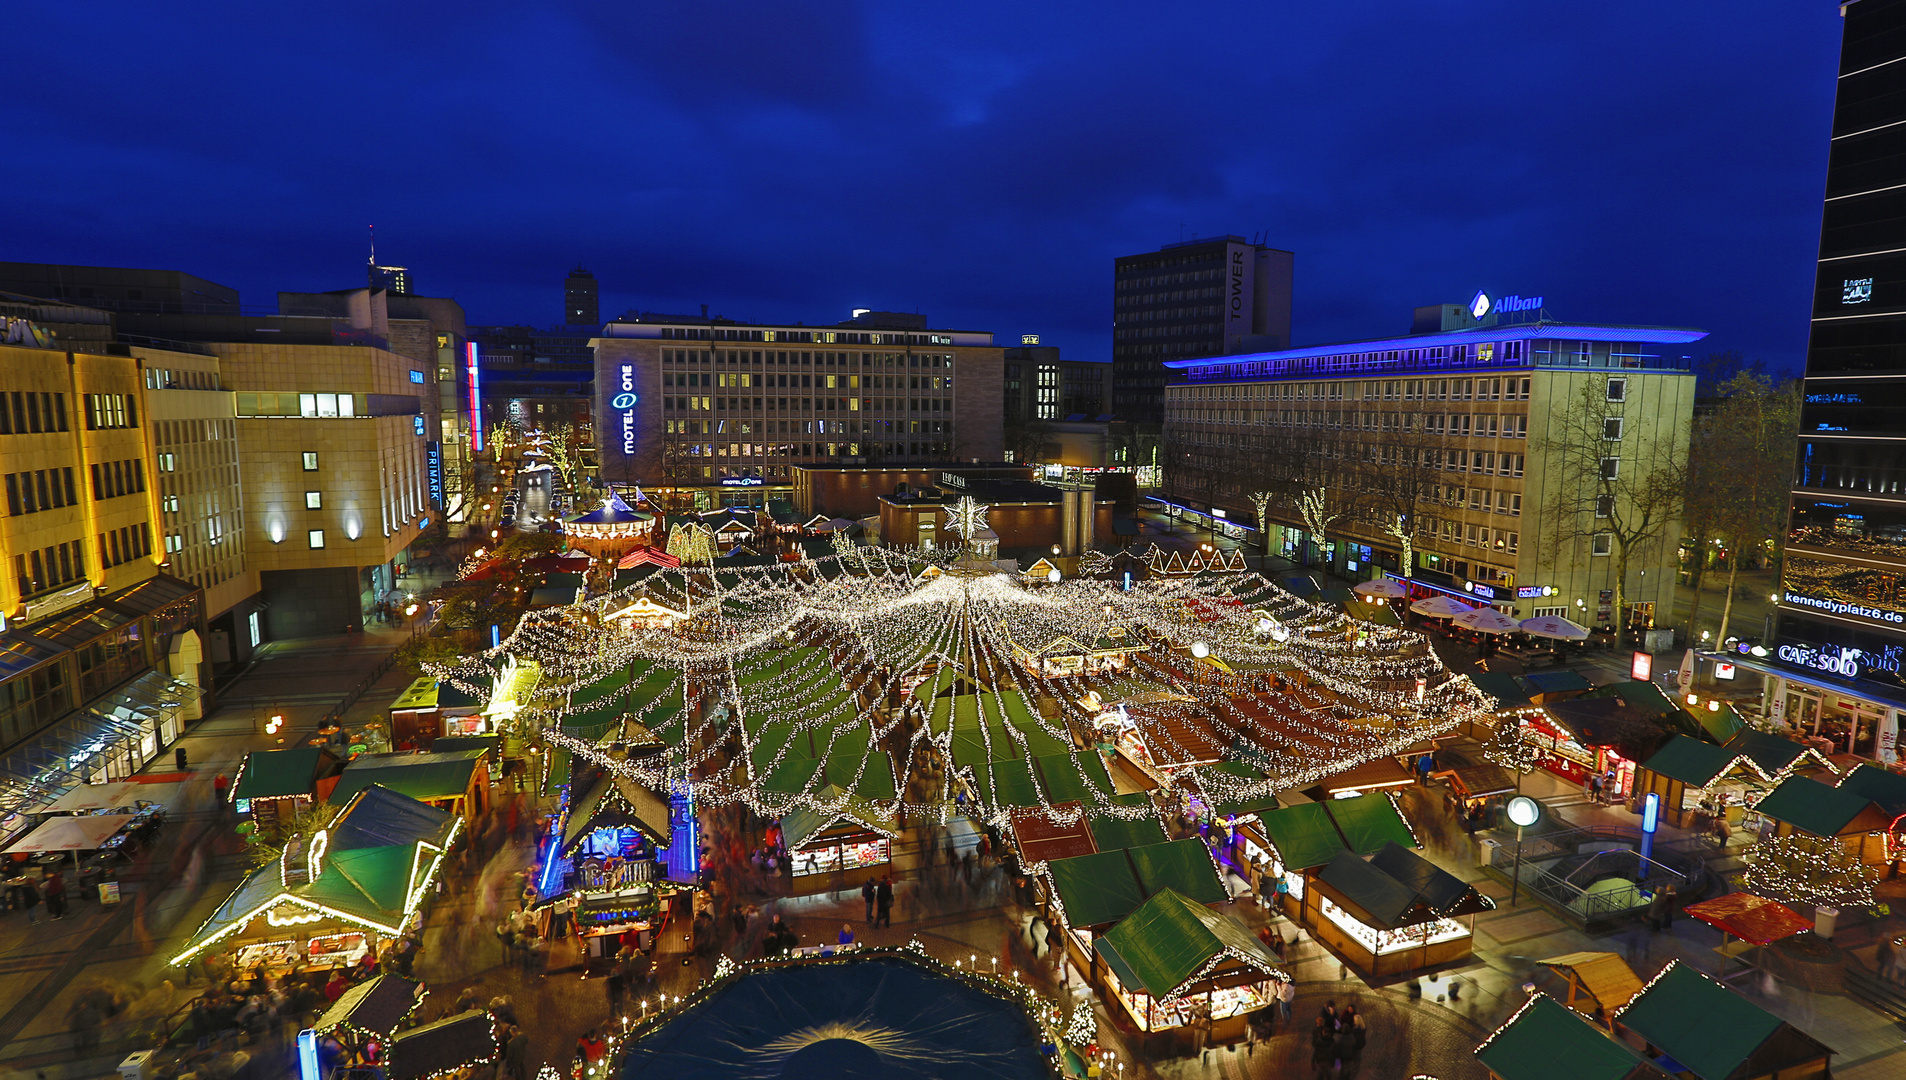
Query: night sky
(979, 162)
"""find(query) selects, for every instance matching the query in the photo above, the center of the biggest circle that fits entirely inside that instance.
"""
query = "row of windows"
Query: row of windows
(848, 404)
(305, 405)
(50, 568)
(180, 379)
(777, 358)
(1544, 353)
(26, 412)
(930, 450)
(1437, 425)
(125, 544)
(1171, 315)
(106, 412)
(742, 380)
(1482, 536)
(41, 489)
(1481, 500)
(799, 427)
(1201, 330)
(111, 479)
(1492, 389)
(806, 337)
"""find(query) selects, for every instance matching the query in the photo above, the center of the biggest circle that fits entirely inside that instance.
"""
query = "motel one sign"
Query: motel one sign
(624, 402)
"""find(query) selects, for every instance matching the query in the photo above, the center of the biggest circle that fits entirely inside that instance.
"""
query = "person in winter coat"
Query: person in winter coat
(867, 893)
(1323, 1041)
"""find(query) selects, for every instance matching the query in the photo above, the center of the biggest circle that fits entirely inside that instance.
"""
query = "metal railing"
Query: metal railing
(1567, 882)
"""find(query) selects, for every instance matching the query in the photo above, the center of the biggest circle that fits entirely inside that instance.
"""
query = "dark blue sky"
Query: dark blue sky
(981, 162)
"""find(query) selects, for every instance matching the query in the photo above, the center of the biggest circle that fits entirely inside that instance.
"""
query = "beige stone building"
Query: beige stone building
(1515, 452)
(728, 410)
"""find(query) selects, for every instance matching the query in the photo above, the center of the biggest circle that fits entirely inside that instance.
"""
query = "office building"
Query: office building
(333, 429)
(1834, 667)
(712, 409)
(579, 299)
(101, 650)
(1041, 386)
(1457, 429)
(538, 378)
(1196, 298)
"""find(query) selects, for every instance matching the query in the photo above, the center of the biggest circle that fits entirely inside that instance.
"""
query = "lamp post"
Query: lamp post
(1523, 812)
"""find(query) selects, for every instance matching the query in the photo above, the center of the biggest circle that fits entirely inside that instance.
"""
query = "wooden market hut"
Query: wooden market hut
(1712, 1033)
(373, 1009)
(456, 780)
(1089, 893)
(1546, 1041)
(1299, 841)
(612, 833)
(1393, 914)
(273, 782)
(454, 1045)
(1803, 804)
(337, 894)
(843, 846)
(1686, 769)
(1598, 982)
(1477, 784)
(1174, 963)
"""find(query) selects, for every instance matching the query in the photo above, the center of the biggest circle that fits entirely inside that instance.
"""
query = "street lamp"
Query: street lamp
(1523, 812)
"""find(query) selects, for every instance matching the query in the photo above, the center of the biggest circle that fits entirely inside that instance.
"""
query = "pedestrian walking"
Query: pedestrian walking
(54, 888)
(1286, 993)
(867, 893)
(30, 899)
(883, 898)
(617, 983)
(1667, 909)
(220, 785)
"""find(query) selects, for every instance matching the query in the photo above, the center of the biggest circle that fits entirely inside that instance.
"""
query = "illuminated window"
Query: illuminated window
(1602, 544)
(310, 461)
(316, 538)
(313, 500)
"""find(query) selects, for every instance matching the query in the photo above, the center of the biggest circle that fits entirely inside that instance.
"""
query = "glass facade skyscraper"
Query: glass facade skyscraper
(1841, 636)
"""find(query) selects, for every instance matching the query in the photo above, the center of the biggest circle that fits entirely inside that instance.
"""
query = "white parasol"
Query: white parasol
(1384, 587)
(1554, 626)
(1487, 620)
(1439, 607)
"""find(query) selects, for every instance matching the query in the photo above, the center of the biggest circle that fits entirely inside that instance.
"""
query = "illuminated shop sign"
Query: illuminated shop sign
(624, 403)
(474, 381)
(741, 481)
(1526, 592)
(1856, 290)
(1830, 659)
(433, 458)
(1846, 608)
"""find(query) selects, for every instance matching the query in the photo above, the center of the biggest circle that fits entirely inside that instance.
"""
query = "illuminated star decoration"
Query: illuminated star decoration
(967, 517)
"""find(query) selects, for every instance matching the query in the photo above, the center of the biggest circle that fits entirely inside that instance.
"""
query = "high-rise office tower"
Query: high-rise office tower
(579, 299)
(1837, 656)
(1194, 298)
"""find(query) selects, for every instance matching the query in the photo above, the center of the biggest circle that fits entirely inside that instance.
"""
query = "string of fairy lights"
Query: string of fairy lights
(768, 667)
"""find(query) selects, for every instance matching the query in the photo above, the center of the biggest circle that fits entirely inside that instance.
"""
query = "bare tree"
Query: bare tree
(1739, 474)
(1610, 485)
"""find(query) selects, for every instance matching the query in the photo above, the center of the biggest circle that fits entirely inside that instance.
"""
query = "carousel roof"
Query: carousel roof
(613, 511)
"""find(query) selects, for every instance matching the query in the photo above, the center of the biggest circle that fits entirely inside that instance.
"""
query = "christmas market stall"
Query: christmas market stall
(1695, 1025)
(1805, 805)
(1174, 963)
(1697, 780)
(1065, 655)
(333, 897)
(1546, 1041)
(1294, 843)
(430, 707)
(275, 782)
(454, 780)
(845, 844)
(1087, 894)
(1598, 982)
(609, 853)
(1395, 913)
(1599, 736)
(1473, 786)
(365, 1017)
(610, 529)
(460, 1047)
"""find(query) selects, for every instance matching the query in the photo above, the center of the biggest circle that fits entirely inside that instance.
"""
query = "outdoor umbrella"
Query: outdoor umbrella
(1439, 607)
(1383, 587)
(74, 834)
(1554, 626)
(1486, 620)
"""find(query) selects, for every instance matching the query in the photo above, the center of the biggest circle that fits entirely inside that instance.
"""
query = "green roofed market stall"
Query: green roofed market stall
(1715, 1033)
(1173, 962)
(827, 849)
(1395, 913)
(1545, 1040)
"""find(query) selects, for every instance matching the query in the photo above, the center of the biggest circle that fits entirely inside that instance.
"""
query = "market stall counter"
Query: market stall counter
(1394, 914)
(842, 846)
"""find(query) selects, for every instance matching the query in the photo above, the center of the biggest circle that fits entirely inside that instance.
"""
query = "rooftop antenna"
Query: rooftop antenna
(373, 230)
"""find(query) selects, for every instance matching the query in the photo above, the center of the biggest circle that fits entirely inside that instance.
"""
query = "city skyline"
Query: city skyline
(984, 172)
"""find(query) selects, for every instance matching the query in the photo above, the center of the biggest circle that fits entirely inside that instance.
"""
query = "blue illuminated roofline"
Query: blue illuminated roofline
(1652, 335)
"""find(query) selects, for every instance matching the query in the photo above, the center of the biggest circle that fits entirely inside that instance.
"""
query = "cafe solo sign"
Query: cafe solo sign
(624, 403)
